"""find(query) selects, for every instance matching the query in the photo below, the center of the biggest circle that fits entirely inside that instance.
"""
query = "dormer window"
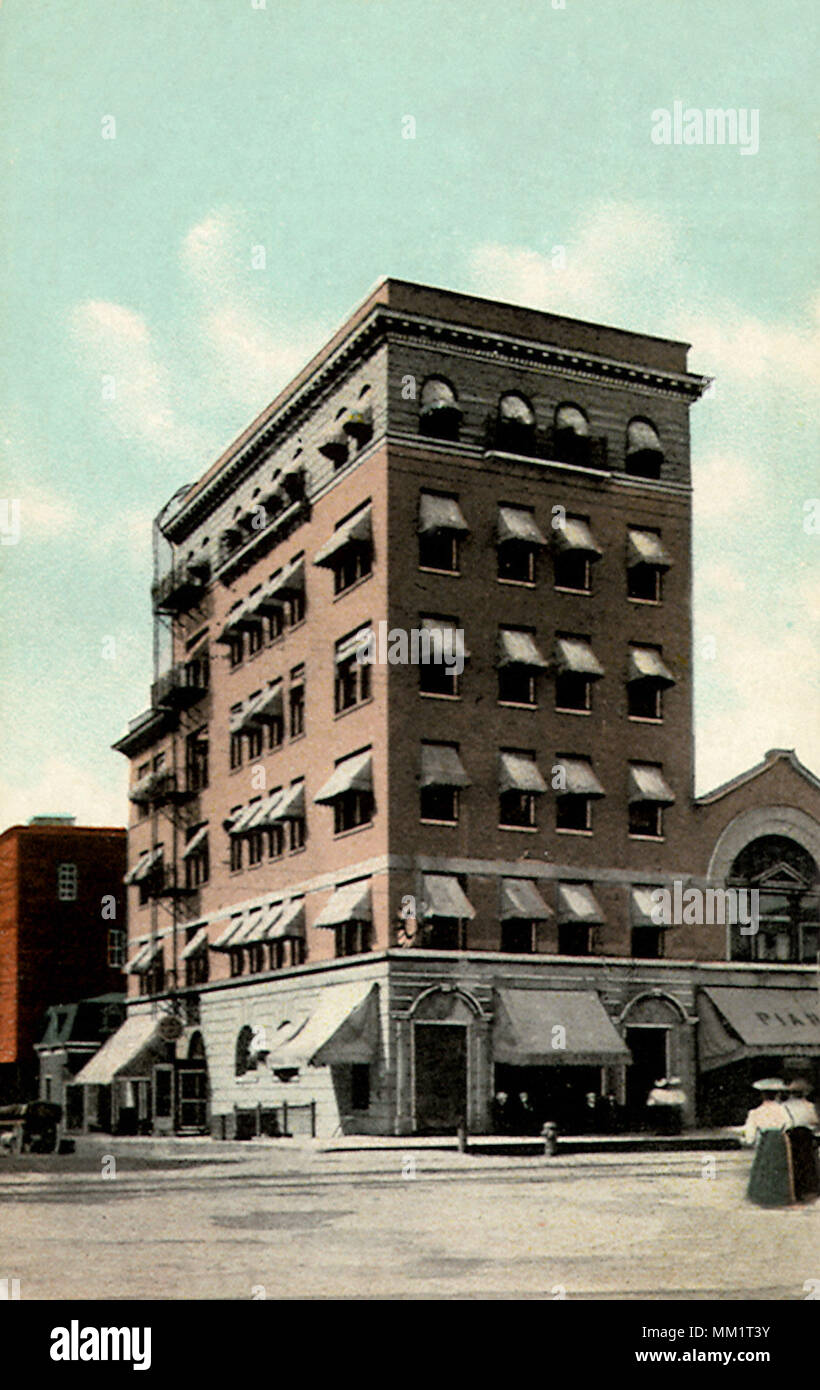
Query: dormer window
(439, 412)
(644, 454)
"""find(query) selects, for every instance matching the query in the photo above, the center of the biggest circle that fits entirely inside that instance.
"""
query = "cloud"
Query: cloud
(44, 513)
(135, 387)
(726, 486)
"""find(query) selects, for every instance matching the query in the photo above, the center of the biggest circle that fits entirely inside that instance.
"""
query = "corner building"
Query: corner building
(366, 897)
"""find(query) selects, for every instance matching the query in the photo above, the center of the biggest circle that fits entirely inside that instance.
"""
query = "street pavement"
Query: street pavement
(195, 1219)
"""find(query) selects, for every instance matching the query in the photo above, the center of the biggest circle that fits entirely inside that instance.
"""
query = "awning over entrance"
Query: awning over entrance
(343, 1028)
(747, 1021)
(531, 1025)
(124, 1052)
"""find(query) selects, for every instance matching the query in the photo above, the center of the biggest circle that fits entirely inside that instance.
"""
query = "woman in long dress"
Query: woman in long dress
(771, 1182)
(805, 1124)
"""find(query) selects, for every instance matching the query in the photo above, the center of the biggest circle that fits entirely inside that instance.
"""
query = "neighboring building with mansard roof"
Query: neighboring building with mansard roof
(369, 897)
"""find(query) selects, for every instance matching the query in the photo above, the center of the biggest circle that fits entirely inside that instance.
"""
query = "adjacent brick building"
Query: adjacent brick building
(62, 931)
(369, 896)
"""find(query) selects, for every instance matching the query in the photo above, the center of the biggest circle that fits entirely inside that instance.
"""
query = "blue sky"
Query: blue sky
(140, 338)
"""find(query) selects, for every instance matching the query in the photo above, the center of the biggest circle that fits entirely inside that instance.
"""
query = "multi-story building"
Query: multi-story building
(370, 895)
(62, 931)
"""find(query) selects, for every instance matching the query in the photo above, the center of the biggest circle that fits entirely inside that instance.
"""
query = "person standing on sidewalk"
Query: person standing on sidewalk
(770, 1181)
(802, 1139)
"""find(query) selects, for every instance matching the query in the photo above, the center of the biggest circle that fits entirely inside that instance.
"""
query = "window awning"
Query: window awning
(291, 805)
(229, 932)
(580, 780)
(646, 664)
(144, 866)
(128, 1052)
(349, 646)
(518, 773)
(516, 648)
(445, 897)
(451, 641)
(578, 903)
(289, 581)
(747, 1021)
(359, 422)
(252, 929)
(350, 903)
(574, 656)
(241, 616)
(144, 789)
(286, 921)
(576, 535)
(352, 774)
(440, 514)
(521, 900)
(517, 524)
(358, 530)
(441, 767)
(239, 821)
(142, 958)
(246, 716)
(641, 435)
(529, 1024)
(265, 813)
(644, 548)
(646, 783)
(196, 841)
(641, 908)
(343, 1028)
(269, 706)
(198, 942)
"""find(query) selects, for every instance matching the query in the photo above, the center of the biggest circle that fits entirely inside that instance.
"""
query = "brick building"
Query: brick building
(62, 931)
(370, 896)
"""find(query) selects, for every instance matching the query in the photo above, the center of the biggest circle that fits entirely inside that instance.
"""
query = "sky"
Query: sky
(195, 193)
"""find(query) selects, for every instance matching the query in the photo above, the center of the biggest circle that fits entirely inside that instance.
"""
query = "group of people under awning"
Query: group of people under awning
(783, 1129)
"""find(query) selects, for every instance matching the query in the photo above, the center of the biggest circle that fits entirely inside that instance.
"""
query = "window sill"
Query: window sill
(648, 602)
(566, 830)
(564, 709)
(300, 849)
(423, 820)
(434, 695)
(357, 584)
(651, 839)
(527, 829)
(351, 709)
(582, 593)
(428, 569)
(294, 738)
(643, 719)
(517, 583)
(517, 704)
(352, 830)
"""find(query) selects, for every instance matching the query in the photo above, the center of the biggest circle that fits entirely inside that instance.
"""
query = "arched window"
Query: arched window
(572, 440)
(439, 413)
(515, 429)
(245, 1060)
(644, 454)
(786, 877)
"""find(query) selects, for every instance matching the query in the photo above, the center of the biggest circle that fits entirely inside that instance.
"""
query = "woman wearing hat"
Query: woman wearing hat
(770, 1181)
(805, 1124)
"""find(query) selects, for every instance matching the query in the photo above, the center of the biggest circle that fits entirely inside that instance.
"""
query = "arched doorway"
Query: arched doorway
(443, 1070)
(192, 1089)
(785, 876)
(653, 1025)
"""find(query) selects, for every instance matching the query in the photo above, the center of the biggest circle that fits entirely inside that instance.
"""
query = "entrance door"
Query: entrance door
(441, 1076)
(648, 1048)
(193, 1096)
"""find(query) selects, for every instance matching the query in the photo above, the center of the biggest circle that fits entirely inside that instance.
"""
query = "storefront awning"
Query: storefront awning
(445, 897)
(531, 1024)
(440, 514)
(441, 767)
(646, 783)
(358, 530)
(124, 1053)
(516, 524)
(578, 903)
(645, 549)
(521, 901)
(519, 773)
(350, 903)
(352, 774)
(343, 1028)
(737, 1022)
(517, 648)
(646, 664)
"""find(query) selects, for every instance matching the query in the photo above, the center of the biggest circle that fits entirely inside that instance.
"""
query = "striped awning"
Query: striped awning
(357, 530)
(196, 841)
(350, 903)
(291, 804)
(356, 641)
(143, 958)
(229, 933)
(198, 942)
(144, 866)
(641, 908)
(352, 774)
(286, 921)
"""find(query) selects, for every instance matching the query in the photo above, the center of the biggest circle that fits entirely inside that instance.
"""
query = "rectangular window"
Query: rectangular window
(573, 939)
(439, 804)
(354, 563)
(439, 640)
(572, 571)
(518, 937)
(645, 582)
(572, 691)
(116, 947)
(255, 847)
(438, 550)
(196, 760)
(276, 841)
(647, 943)
(255, 638)
(351, 809)
(237, 959)
(236, 852)
(296, 607)
(256, 958)
(236, 648)
(445, 934)
(360, 1086)
(66, 883)
(256, 739)
(197, 868)
(276, 623)
(516, 809)
(516, 562)
(573, 813)
(644, 700)
(352, 938)
(352, 684)
(297, 830)
(296, 701)
(517, 685)
(646, 818)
